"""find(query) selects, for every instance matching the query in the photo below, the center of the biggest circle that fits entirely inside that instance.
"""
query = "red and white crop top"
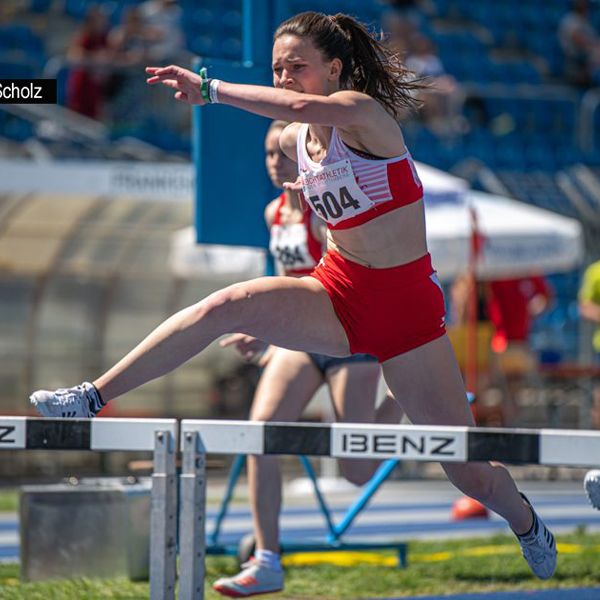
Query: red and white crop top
(293, 245)
(346, 189)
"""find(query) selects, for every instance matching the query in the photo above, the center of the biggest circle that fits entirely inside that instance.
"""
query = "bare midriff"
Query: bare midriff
(395, 238)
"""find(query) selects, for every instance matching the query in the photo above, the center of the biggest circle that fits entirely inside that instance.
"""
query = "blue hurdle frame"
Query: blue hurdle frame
(333, 539)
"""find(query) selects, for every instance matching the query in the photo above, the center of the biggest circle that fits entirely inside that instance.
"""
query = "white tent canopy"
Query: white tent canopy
(518, 239)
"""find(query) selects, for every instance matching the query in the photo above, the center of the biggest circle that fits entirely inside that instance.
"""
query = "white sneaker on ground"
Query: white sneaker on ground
(252, 580)
(538, 547)
(81, 401)
(591, 484)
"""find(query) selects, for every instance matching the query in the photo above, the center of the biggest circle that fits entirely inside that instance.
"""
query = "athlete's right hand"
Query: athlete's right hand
(187, 83)
(249, 347)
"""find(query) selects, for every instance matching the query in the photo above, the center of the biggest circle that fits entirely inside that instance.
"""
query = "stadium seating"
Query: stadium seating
(518, 118)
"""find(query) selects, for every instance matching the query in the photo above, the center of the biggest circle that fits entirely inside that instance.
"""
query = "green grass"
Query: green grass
(9, 501)
(445, 567)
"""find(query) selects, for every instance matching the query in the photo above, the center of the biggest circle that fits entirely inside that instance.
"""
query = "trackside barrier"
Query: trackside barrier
(105, 435)
(552, 447)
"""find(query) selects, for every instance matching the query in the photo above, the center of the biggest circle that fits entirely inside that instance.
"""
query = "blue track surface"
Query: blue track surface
(562, 594)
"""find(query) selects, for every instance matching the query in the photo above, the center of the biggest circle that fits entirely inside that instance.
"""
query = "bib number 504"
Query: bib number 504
(329, 206)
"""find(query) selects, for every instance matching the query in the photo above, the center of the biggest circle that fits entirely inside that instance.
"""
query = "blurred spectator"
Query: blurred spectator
(399, 32)
(130, 42)
(581, 45)
(89, 57)
(459, 296)
(423, 59)
(163, 18)
(460, 291)
(406, 10)
(439, 107)
(589, 308)
(512, 305)
(131, 39)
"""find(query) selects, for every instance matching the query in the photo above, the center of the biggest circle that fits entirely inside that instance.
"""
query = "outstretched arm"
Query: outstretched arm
(340, 109)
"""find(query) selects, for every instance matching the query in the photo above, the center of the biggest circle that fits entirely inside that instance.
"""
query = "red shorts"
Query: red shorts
(385, 312)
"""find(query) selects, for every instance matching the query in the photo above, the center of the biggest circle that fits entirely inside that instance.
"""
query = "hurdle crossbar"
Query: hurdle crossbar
(552, 447)
(105, 435)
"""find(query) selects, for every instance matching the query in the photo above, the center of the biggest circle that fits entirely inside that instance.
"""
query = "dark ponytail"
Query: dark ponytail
(368, 66)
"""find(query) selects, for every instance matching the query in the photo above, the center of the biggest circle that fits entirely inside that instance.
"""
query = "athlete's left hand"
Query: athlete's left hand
(294, 186)
(187, 83)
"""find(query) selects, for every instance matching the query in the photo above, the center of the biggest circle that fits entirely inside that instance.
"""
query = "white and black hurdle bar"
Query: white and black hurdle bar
(551, 447)
(129, 435)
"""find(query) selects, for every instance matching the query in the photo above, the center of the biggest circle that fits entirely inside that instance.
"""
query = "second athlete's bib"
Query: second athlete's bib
(289, 246)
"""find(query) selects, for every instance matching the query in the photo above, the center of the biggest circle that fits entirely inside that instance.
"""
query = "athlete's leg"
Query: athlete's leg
(287, 384)
(287, 312)
(389, 410)
(353, 388)
(429, 382)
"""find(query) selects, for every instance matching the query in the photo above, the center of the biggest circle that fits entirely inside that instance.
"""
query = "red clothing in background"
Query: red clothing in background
(85, 86)
(508, 308)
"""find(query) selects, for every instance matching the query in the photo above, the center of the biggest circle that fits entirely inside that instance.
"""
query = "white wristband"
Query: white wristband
(213, 87)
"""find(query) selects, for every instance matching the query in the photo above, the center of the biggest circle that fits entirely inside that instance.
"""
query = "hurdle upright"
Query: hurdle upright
(129, 435)
(551, 447)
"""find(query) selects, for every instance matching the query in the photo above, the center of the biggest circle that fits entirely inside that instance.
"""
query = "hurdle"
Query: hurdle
(129, 435)
(551, 447)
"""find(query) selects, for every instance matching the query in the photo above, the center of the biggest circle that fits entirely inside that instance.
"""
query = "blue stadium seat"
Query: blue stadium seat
(21, 38)
(540, 156)
(202, 45)
(203, 17)
(76, 8)
(442, 7)
(232, 19)
(15, 128)
(39, 6)
(231, 48)
(16, 70)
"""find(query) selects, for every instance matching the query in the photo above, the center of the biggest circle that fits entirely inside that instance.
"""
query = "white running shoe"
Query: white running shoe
(81, 401)
(538, 547)
(591, 484)
(252, 580)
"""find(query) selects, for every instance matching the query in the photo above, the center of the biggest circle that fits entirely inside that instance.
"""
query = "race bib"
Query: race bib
(289, 246)
(333, 193)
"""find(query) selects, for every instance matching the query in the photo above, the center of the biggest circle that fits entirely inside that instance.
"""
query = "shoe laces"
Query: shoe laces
(68, 396)
(536, 548)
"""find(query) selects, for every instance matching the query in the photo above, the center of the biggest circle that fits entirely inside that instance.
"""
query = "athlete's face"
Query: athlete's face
(298, 65)
(279, 166)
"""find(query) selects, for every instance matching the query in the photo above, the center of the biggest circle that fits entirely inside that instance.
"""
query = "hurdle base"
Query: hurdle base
(97, 528)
